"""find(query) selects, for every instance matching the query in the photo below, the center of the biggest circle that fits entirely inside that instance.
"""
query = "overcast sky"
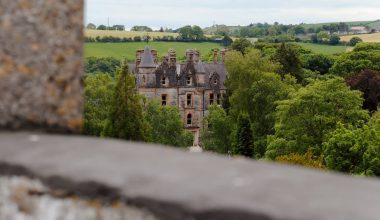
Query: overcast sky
(177, 13)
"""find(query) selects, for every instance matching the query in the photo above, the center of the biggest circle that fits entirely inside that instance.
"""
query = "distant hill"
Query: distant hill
(233, 29)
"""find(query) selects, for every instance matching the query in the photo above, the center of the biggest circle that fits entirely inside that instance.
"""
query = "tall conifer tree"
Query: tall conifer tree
(126, 120)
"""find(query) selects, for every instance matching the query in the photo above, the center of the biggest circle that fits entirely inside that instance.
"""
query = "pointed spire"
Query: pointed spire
(147, 60)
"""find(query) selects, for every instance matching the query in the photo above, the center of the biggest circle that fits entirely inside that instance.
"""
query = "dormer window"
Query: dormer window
(188, 81)
(215, 81)
(163, 81)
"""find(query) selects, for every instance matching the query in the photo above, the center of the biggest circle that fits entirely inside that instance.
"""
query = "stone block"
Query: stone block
(41, 66)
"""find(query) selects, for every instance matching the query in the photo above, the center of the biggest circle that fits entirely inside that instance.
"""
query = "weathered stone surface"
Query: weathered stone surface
(174, 184)
(41, 64)
(28, 199)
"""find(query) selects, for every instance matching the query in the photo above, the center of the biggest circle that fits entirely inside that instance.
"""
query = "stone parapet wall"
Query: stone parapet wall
(173, 184)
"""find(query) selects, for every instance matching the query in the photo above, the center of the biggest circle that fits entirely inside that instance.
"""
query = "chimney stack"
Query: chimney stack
(190, 56)
(216, 56)
(172, 57)
(196, 56)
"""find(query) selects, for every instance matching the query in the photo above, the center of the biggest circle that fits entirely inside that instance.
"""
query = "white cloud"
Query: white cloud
(176, 13)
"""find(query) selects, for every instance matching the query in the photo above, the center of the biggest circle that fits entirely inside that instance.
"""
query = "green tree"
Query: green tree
(107, 65)
(98, 90)
(166, 126)
(265, 92)
(304, 120)
(126, 119)
(102, 27)
(142, 28)
(186, 32)
(288, 57)
(243, 144)
(91, 26)
(241, 45)
(197, 33)
(349, 64)
(334, 39)
(216, 136)
(354, 150)
(355, 40)
(317, 63)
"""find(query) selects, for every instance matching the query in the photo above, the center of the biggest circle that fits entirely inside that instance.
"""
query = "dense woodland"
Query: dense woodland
(283, 103)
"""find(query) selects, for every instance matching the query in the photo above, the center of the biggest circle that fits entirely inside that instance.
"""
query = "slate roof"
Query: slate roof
(147, 60)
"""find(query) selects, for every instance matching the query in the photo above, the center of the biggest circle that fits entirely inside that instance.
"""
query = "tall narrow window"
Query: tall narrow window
(163, 99)
(189, 119)
(211, 98)
(143, 79)
(189, 100)
(218, 99)
(163, 81)
(188, 81)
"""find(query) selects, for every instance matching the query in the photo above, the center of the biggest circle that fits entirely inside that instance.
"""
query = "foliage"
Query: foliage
(217, 134)
(104, 65)
(304, 120)
(191, 33)
(166, 126)
(350, 64)
(265, 92)
(253, 87)
(243, 143)
(334, 39)
(355, 40)
(91, 26)
(241, 45)
(317, 63)
(354, 150)
(102, 27)
(98, 89)
(288, 57)
(368, 82)
(126, 119)
(141, 28)
(226, 41)
(306, 160)
(367, 47)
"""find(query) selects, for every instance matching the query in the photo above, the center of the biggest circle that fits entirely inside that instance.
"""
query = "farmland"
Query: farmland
(127, 34)
(325, 49)
(365, 37)
(128, 50)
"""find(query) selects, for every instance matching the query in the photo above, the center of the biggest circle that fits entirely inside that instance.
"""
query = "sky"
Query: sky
(177, 13)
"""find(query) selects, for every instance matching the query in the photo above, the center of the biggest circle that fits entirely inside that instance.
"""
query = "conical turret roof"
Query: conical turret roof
(147, 60)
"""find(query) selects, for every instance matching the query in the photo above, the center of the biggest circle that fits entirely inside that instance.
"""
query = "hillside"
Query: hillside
(128, 50)
(375, 38)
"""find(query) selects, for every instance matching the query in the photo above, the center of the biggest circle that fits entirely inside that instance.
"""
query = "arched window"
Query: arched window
(189, 119)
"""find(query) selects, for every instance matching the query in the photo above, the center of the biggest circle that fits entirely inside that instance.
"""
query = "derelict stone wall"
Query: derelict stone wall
(41, 64)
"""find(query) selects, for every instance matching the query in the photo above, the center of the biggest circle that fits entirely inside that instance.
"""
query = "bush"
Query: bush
(306, 160)
(355, 40)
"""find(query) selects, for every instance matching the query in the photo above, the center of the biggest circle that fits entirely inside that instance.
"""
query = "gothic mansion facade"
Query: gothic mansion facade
(191, 86)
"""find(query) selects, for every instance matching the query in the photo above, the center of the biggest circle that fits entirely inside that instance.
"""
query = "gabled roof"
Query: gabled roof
(147, 60)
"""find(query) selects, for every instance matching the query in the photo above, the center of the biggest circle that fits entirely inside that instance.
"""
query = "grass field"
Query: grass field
(101, 33)
(325, 49)
(128, 50)
(375, 38)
